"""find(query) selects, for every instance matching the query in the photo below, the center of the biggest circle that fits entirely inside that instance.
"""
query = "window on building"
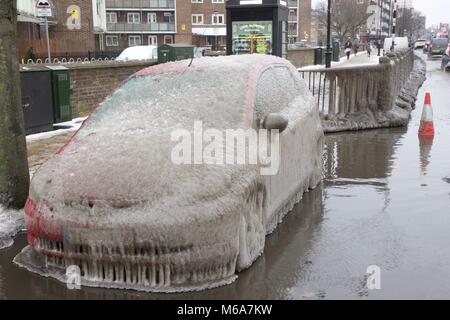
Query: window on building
(217, 1)
(151, 16)
(168, 17)
(197, 19)
(197, 1)
(218, 18)
(111, 17)
(112, 41)
(134, 17)
(134, 41)
(153, 40)
(168, 39)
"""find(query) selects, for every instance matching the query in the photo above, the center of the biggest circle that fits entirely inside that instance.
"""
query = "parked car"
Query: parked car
(114, 202)
(420, 44)
(399, 43)
(437, 47)
(138, 53)
(445, 65)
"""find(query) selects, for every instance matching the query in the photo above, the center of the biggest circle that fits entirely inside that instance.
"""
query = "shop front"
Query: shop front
(257, 26)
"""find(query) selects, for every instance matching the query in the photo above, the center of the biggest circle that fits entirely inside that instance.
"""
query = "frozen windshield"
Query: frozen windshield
(163, 101)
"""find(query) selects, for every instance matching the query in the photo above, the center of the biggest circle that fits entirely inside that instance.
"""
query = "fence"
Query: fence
(73, 57)
(356, 89)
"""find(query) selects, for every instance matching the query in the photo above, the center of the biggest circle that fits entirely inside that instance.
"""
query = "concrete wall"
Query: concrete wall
(301, 57)
(365, 97)
(92, 82)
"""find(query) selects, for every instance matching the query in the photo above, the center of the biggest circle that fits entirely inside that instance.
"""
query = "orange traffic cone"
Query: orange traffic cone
(426, 124)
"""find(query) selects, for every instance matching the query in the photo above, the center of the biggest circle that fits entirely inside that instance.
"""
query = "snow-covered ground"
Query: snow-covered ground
(11, 222)
(361, 59)
(68, 126)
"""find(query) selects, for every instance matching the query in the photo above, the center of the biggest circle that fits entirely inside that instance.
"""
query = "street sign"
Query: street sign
(44, 12)
(43, 4)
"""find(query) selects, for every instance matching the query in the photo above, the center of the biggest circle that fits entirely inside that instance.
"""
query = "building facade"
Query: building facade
(156, 22)
(379, 20)
(72, 28)
(299, 19)
(85, 27)
(138, 22)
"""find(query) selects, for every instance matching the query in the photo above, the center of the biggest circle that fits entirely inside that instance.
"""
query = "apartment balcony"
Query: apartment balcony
(141, 4)
(158, 27)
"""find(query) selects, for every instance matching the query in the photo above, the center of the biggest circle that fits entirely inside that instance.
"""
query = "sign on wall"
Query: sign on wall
(74, 19)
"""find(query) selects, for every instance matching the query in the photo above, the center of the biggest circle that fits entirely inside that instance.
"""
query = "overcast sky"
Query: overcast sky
(436, 11)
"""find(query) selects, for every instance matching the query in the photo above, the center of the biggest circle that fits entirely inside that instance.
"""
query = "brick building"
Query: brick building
(72, 27)
(139, 22)
(299, 19)
(208, 23)
(82, 27)
(154, 22)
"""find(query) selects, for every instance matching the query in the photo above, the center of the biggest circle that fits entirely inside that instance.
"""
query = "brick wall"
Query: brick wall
(76, 40)
(91, 83)
(184, 26)
(304, 16)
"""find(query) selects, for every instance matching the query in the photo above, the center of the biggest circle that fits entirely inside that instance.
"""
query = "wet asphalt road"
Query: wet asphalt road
(384, 201)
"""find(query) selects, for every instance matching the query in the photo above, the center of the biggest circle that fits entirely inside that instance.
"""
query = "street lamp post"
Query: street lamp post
(394, 25)
(328, 52)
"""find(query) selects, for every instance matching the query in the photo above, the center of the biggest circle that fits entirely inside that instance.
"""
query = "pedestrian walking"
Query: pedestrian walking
(379, 47)
(369, 49)
(348, 48)
(356, 47)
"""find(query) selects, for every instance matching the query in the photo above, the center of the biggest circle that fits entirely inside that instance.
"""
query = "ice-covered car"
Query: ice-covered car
(113, 203)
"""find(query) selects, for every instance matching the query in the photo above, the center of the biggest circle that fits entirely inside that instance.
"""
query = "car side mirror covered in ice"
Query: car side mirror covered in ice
(275, 121)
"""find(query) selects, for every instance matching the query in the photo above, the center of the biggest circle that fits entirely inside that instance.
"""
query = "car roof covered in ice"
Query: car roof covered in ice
(247, 62)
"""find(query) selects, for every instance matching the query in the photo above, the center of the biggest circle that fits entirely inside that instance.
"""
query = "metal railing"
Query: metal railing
(359, 88)
(140, 4)
(72, 57)
(141, 27)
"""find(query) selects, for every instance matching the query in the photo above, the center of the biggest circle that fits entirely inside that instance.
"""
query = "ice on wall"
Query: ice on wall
(128, 216)
(11, 222)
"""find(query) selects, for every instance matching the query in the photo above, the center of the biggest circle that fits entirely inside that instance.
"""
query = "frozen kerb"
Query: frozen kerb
(11, 222)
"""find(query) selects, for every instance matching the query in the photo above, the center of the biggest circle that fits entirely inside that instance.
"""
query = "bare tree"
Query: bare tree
(348, 17)
(411, 23)
(14, 175)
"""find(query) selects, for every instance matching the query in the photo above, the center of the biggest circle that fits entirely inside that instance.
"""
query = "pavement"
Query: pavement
(41, 150)
(42, 146)
(360, 59)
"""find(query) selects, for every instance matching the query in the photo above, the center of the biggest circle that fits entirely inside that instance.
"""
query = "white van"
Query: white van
(138, 53)
(400, 43)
